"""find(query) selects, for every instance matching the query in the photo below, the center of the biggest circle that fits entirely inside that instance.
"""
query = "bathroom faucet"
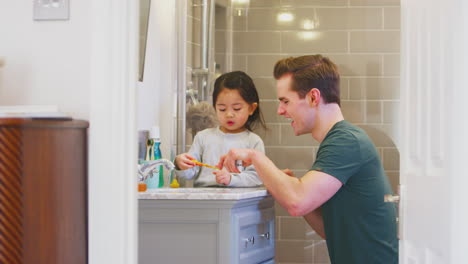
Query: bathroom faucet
(147, 167)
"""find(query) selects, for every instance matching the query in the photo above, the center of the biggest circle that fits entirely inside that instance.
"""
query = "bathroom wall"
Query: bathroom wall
(362, 37)
(46, 62)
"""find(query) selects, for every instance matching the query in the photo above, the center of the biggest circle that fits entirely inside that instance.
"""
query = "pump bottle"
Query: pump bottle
(157, 179)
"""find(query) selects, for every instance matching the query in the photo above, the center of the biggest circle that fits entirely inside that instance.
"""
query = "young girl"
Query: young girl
(236, 102)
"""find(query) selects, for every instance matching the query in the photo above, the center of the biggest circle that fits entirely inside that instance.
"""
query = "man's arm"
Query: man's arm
(315, 220)
(298, 196)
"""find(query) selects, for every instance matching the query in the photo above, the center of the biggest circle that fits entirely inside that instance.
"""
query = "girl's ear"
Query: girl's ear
(252, 109)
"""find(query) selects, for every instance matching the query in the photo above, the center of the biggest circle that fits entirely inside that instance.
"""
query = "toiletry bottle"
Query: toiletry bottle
(157, 179)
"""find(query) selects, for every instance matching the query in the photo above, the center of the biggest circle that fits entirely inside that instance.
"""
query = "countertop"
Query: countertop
(202, 193)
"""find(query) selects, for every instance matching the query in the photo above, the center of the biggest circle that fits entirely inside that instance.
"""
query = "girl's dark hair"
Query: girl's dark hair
(238, 80)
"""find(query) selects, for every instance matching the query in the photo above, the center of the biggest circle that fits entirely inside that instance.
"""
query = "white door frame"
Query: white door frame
(434, 128)
(112, 134)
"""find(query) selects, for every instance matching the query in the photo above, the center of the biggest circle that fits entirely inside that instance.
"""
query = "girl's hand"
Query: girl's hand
(184, 161)
(222, 177)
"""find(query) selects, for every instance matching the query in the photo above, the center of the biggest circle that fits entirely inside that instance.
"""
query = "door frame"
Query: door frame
(433, 143)
(112, 189)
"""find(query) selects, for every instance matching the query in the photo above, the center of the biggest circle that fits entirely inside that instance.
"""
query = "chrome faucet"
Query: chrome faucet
(145, 169)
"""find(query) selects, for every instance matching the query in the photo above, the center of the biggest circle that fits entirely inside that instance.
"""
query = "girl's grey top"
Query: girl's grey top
(209, 145)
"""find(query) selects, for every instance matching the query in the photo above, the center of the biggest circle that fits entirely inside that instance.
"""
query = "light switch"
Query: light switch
(51, 9)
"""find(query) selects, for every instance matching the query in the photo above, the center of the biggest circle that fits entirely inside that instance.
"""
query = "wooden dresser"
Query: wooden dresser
(43, 191)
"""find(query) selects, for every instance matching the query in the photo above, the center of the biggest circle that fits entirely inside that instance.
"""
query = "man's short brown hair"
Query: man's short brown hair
(311, 71)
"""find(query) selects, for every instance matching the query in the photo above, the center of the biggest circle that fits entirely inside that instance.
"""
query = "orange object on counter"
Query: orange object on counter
(142, 187)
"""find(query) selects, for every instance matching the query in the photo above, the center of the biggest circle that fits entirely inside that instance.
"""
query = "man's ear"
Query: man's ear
(313, 96)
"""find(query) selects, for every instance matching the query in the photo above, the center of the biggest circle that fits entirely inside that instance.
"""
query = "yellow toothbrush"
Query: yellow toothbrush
(204, 165)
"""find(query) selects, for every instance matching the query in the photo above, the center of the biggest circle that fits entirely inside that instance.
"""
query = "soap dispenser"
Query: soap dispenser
(157, 179)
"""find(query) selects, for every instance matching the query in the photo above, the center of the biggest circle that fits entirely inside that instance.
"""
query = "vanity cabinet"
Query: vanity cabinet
(207, 231)
(43, 191)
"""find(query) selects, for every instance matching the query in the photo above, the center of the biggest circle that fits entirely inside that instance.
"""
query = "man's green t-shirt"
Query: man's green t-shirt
(360, 227)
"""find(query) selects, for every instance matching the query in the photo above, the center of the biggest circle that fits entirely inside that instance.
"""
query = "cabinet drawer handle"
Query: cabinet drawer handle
(266, 235)
(249, 240)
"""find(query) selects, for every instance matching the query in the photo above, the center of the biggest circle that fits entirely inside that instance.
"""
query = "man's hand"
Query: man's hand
(228, 161)
(288, 172)
(222, 176)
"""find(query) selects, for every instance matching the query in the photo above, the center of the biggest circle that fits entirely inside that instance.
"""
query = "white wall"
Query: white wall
(45, 62)
(87, 66)
(156, 94)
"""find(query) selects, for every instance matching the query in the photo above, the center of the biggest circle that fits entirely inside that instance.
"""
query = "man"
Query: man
(342, 196)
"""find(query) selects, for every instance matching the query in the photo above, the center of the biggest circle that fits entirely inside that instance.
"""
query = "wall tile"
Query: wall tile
(375, 41)
(391, 64)
(220, 58)
(220, 41)
(222, 3)
(239, 23)
(375, 2)
(358, 64)
(294, 251)
(220, 18)
(266, 88)
(262, 65)
(316, 19)
(391, 112)
(277, 226)
(299, 173)
(321, 252)
(353, 111)
(280, 211)
(264, 3)
(391, 157)
(314, 42)
(391, 18)
(269, 109)
(391, 131)
(271, 136)
(263, 19)
(394, 179)
(292, 157)
(265, 42)
(296, 228)
(374, 112)
(301, 3)
(344, 88)
(378, 136)
(239, 63)
(349, 18)
(374, 88)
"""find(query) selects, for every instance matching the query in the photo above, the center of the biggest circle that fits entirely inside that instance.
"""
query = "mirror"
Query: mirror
(143, 35)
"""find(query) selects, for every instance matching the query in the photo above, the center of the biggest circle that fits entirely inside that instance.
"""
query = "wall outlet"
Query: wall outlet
(51, 9)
